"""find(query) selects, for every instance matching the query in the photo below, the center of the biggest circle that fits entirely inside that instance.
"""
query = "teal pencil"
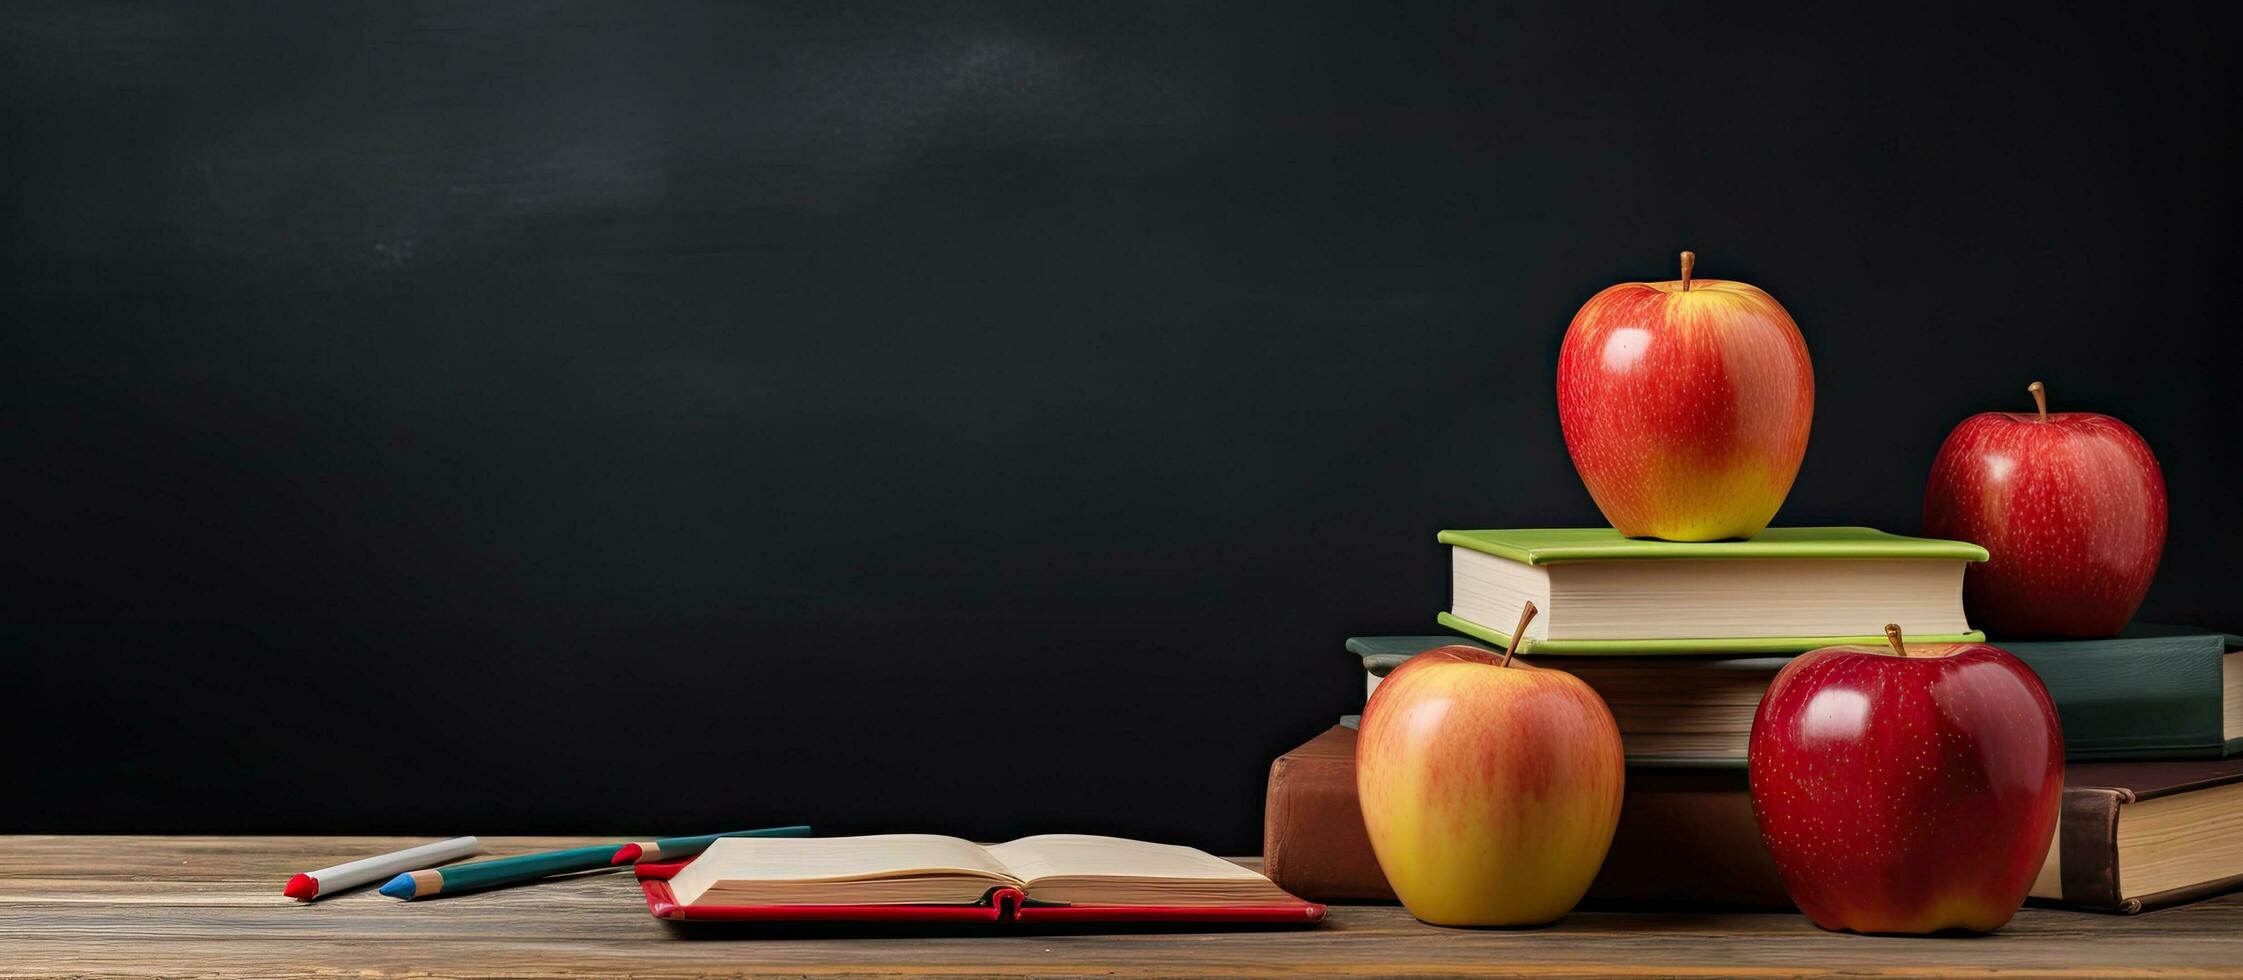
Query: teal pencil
(503, 871)
(672, 848)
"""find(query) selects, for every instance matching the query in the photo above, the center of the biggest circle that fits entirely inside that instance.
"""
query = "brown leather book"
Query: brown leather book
(2137, 835)
(1686, 835)
(1313, 842)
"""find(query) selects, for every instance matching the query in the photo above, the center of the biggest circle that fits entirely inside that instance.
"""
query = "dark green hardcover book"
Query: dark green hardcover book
(1381, 654)
(2152, 692)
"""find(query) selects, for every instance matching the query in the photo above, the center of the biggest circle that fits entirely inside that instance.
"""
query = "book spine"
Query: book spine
(2087, 839)
(1313, 841)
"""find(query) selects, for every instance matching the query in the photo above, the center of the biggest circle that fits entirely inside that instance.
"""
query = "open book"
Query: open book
(924, 869)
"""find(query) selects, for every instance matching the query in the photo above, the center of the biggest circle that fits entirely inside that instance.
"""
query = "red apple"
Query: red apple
(1685, 405)
(1490, 789)
(2071, 507)
(1908, 790)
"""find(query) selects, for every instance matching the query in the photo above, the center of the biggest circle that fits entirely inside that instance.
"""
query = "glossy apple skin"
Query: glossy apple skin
(2071, 509)
(1907, 795)
(1490, 793)
(1686, 411)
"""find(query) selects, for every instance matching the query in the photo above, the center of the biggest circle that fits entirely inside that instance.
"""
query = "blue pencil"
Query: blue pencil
(503, 871)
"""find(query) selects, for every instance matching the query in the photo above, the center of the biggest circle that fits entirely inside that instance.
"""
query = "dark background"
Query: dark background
(986, 419)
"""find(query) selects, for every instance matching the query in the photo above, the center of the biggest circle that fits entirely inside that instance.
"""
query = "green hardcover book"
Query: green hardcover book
(1787, 590)
(2152, 692)
(1381, 654)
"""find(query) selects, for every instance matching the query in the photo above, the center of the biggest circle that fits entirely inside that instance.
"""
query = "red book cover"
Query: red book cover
(1000, 905)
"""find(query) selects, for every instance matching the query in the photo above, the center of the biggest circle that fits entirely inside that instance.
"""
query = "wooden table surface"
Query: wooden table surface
(211, 906)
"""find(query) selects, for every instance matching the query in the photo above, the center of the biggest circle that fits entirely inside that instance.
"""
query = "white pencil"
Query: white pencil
(327, 881)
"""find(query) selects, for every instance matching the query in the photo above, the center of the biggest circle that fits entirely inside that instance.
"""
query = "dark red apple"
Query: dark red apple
(2071, 507)
(1907, 790)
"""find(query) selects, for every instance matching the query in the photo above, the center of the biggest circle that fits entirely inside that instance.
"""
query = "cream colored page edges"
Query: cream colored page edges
(2231, 697)
(834, 859)
(1084, 856)
(1685, 599)
(1489, 585)
(1709, 599)
(2180, 840)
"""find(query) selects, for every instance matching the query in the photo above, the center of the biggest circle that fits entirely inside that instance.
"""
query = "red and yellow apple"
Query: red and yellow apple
(1490, 789)
(1685, 405)
(1907, 789)
(2070, 507)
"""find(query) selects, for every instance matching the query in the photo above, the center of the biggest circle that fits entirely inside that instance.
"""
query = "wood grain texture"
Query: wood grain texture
(211, 906)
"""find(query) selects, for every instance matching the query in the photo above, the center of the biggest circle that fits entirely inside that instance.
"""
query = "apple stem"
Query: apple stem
(1518, 633)
(1689, 262)
(2040, 398)
(1892, 636)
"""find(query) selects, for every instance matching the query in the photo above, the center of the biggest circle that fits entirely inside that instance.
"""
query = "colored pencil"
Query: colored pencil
(328, 881)
(672, 848)
(498, 871)
(507, 870)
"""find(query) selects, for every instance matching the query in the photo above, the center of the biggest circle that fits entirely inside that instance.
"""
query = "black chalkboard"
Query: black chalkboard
(975, 418)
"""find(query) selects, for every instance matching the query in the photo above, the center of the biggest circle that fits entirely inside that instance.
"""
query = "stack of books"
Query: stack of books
(1682, 639)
